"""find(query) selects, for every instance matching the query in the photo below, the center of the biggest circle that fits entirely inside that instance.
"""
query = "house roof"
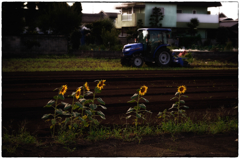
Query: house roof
(228, 23)
(200, 4)
(89, 18)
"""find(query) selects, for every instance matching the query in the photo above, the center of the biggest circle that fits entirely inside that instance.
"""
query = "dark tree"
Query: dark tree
(132, 33)
(31, 17)
(12, 18)
(97, 27)
(59, 18)
(194, 23)
(156, 17)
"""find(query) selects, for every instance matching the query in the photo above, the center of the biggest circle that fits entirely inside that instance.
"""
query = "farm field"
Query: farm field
(209, 92)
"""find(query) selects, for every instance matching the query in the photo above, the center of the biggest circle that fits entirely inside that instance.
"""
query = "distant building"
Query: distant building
(176, 16)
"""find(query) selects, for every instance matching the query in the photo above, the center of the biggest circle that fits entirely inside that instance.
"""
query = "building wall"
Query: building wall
(44, 44)
(170, 15)
(187, 9)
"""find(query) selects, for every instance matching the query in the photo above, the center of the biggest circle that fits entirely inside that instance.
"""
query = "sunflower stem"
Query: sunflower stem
(72, 111)
(178, 106)
(137, 112)
(54, 116)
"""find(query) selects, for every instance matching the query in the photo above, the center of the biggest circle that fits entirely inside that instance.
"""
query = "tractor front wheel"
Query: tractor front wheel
(137, 61)
(163, 57)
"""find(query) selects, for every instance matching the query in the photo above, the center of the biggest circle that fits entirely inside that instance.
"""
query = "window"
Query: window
(194, 11)
(179, 11)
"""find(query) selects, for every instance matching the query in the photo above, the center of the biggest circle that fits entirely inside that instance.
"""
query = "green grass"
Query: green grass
(67, 63)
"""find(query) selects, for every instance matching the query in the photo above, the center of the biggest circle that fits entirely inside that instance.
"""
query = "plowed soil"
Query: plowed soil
(25, 93)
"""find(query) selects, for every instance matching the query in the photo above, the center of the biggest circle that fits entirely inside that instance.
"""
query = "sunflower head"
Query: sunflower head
(78, 92)
(86, 86)
(182, 89)
(101, 84)
(63, 89)
(143, 90)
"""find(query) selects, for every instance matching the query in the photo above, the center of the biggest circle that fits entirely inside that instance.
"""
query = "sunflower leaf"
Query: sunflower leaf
(185, 106)
(65, 113)
(184, 96)
(80, 118)
(66, 105)
(142, 106)
(97, 90)
(100, 101)
(130, 110)
(55, 89)
(88, 101)
(173, 105)
(50, 102)
(88, 93)
(100, 113)
(103, 106)
(75, 114)
(67, 120)
(182, 101)
(145, 99)
(96, 81)
(173, 98)
(45, 116)
(53, 121)
(128, 117)
(148, 111)
(55, 97)
(46, 106)
(103, 117)
(138, 115)
(59, 111)
(95, 121)
(82, 100)
(60, 96)
(88, 112)
(93, 106)
(132, 101)
(134, 96)
(177, 93)
(160, 113)
(79, 104)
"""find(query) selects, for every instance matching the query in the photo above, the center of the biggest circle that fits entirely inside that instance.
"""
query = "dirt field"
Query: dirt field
(24, 94)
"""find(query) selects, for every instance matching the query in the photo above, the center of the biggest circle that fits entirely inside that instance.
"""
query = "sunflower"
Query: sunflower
(101, 84)
(143, 90)
(182, 89)
(63, 90)
(86, 86)
(78, 92)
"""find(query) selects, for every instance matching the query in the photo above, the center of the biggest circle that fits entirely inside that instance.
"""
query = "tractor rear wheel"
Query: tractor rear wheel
(137, 61)
(163, 57)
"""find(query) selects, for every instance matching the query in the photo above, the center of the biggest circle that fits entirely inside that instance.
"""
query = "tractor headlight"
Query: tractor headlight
(127, 49)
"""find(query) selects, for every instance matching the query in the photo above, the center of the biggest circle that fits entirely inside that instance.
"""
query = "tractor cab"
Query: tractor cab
(151, 39)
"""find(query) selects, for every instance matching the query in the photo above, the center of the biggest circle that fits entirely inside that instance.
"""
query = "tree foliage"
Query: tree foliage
(12, 18)
(156, 17)
(194, 23)
(132, 33)
(109, 37)
(97, 31)
(59, 17)
(223, 35)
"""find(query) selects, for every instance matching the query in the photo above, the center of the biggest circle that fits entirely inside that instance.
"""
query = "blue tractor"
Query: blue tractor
(150, 47)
